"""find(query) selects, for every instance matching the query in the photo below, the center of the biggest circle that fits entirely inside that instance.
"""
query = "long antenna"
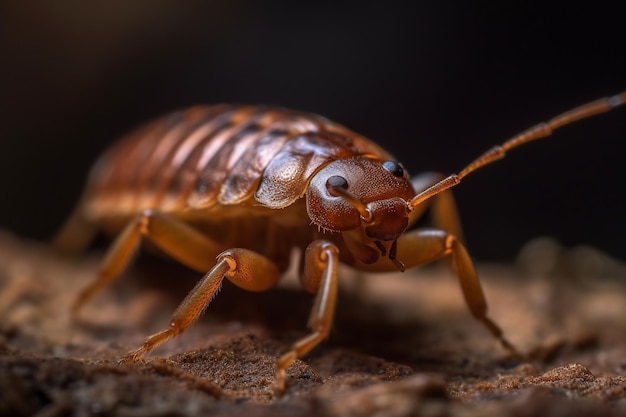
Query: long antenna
(538, 131)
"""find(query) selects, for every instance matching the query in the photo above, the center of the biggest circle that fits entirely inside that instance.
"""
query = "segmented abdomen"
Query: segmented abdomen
(218, 155)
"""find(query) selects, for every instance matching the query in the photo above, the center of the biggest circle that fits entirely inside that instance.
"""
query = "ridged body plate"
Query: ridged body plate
(219, 162)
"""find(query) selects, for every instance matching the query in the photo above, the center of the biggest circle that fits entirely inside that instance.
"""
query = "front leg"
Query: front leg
(423, 246)
(444, 211)
(320, 276)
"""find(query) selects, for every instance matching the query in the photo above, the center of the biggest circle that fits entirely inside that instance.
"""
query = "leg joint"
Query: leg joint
(450, 242)
(145, 218)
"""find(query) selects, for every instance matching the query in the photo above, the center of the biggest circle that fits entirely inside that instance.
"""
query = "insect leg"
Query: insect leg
(75, 234)
(320, 277)
(243, 267)
(422, 246)
(443, 206)
(175, 237)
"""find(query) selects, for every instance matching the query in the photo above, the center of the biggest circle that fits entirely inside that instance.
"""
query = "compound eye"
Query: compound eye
(335, 182)
(394, 168)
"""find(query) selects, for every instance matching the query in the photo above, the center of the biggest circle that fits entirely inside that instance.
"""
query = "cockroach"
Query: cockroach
(232, 190)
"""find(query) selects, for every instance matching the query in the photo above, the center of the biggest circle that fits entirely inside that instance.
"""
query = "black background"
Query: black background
(437, 83)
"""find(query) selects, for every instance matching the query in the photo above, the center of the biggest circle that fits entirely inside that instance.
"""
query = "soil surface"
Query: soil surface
(402, 344)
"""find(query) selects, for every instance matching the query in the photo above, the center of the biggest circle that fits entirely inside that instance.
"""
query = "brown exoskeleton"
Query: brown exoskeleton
(245, 185)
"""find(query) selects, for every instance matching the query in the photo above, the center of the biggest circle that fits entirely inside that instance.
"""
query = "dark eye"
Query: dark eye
(394, 167)
(335, 182)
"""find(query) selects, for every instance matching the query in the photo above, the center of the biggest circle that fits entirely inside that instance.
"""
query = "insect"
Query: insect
(230, 191)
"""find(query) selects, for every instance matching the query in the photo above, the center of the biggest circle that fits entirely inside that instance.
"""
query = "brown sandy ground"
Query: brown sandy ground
(403, 344)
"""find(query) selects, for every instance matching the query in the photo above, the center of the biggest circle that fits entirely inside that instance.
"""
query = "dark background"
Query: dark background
(436, 82)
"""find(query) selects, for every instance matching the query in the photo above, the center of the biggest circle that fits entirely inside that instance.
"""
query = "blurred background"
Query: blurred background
(437, 83)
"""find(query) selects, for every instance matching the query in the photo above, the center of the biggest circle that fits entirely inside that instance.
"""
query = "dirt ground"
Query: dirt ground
(403, 344)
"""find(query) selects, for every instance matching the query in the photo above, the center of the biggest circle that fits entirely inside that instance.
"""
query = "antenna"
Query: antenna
(538, 131)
